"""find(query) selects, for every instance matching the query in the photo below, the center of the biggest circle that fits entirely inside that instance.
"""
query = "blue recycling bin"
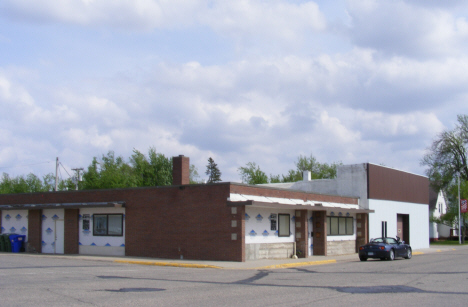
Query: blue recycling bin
(17, 242)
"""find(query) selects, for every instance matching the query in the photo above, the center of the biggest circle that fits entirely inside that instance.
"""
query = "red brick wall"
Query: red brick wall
(35, 230)
(180, 170)
(362, 229)
(71, 231)
(319, 219)
(302, 229)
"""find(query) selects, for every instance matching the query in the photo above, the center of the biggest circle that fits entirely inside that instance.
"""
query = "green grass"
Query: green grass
(447, 242)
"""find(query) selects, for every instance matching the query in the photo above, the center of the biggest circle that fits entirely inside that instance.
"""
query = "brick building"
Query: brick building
(222, 221)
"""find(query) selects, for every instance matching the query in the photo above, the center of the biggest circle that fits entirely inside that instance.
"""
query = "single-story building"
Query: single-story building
(399, 200)
(223, 221)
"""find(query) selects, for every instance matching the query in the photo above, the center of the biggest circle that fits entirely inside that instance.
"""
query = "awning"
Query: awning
(295, 207)
(116, 204)
(289, 203)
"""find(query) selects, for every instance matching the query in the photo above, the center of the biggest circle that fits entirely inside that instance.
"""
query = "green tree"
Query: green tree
(446, 158)
(156, 170)
(29, 184)
(114, 173)
(194, 177)
(212, 170)
(252, 174)
(447, 155)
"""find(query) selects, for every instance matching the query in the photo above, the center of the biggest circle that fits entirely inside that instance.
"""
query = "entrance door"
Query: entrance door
(59, 237)
(403, 227)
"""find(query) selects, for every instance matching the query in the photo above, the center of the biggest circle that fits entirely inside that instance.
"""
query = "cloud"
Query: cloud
(401, 28)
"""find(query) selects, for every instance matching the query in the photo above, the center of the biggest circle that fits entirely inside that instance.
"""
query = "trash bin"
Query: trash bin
(2, 244)
(17, 242)
(6, 239)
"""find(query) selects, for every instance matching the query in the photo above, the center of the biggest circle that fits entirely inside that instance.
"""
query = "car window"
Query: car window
(379, 240)
(391, 241)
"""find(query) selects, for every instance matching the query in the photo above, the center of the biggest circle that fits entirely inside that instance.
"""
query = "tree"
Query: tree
(252, 174)
(214, 175)
(156, 170)
(317, 170)
(29, 184)
(194, 177)
(445, 158)
(114, 173)
(447, 155)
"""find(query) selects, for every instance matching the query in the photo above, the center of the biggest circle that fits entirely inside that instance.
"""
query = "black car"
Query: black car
(385, 248)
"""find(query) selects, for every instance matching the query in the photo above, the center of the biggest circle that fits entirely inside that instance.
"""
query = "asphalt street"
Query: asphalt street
(428, 279)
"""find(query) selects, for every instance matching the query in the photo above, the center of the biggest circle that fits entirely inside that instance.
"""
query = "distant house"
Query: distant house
(399, 200)
(437, 208)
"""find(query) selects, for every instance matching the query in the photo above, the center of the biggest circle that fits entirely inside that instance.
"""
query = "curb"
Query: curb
(172, 264)
(207, 266)
(296, 264)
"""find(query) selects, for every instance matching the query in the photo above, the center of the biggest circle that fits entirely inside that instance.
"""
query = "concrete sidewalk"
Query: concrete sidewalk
(262, 264)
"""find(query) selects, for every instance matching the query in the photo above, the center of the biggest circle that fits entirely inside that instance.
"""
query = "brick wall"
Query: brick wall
(320, 232)
(302, 233)
(71, 231)
(35, 230)
(362, 230)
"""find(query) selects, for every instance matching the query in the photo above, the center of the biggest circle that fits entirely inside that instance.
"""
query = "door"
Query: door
(403, 227)
(59, 236)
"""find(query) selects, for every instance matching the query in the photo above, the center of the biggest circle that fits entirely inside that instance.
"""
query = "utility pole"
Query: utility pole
(78, 176)
(459, 214)
(56, 174)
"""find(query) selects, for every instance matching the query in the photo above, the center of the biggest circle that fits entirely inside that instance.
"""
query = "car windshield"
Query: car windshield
(378, 240)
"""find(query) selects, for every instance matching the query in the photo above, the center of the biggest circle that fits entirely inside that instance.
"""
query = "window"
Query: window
(283, 225)
(339, 226)
(108, 224)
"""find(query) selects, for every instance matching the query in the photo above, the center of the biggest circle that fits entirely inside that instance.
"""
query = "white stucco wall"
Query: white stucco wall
(261, 227)
(15, 221)
(100, 245)
(388, 210)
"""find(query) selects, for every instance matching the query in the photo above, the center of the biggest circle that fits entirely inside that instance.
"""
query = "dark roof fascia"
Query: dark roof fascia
(116, 204)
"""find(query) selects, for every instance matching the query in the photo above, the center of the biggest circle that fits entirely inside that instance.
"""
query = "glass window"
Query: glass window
(283, 225)
(349, 226)
(339, 226)
(108, 225)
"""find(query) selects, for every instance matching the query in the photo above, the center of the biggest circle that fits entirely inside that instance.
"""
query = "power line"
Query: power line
(5, 167)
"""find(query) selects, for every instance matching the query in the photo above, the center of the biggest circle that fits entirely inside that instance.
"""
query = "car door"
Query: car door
(396, 246)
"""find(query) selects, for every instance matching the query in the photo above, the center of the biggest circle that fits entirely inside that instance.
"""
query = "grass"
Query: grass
(448, 242)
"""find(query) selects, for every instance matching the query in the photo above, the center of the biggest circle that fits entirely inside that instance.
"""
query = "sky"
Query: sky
(240, 81)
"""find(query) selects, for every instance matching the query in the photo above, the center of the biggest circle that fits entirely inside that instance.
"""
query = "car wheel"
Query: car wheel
(391, 255)
(409, 254)
(363, 258)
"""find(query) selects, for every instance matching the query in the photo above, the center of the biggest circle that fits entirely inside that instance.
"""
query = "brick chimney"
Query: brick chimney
(180, 170)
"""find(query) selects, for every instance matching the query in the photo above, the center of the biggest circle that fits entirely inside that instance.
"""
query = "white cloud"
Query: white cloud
(406, 29)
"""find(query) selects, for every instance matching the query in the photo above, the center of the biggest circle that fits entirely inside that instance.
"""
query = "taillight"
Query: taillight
(361, 248)
(382, 247)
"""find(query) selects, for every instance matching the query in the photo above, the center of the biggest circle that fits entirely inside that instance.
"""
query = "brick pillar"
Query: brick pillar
(319, 219)
(302, 233)
(35, 230)
(71, 231)
(180, 170)
(362, 229)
